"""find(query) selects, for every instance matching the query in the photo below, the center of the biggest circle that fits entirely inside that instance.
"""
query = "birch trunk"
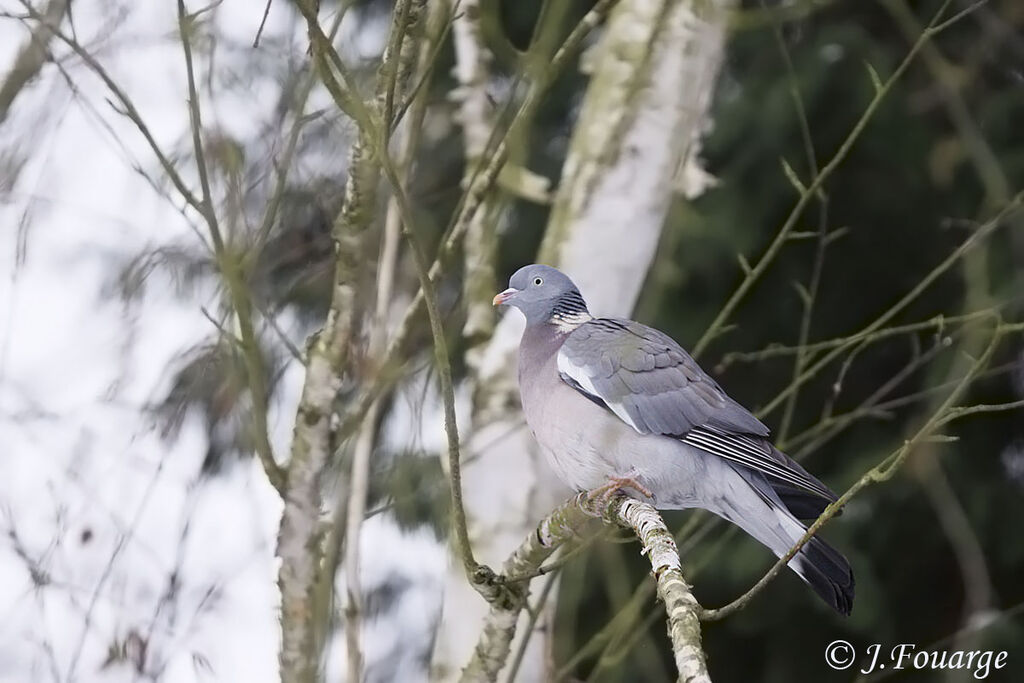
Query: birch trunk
(306, 575)
(646, 105)
(472, 72)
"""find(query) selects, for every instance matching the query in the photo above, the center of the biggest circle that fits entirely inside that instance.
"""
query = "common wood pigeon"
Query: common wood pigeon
(615, 403)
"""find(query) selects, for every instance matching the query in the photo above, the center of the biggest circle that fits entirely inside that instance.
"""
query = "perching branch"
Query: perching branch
(558, 528)
(681, 606)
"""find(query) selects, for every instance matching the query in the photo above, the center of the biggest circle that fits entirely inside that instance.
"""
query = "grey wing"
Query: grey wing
(648, 380)
(653, 385)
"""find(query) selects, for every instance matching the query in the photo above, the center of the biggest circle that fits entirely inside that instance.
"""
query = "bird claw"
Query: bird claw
(603, 494)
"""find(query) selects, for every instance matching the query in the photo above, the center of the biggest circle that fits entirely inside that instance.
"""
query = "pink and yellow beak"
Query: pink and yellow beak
(502, 297)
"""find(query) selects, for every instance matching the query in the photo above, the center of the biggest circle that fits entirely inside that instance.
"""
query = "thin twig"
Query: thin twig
(531, 624)
(978, 236)
(470, 203)
(233, 277)
(444, 370)
(127, 106)
(938, 323)
(32, 56)
(387, 264)
(405, 14)
(810, 293)
(881, 472)
(830, 425)
(271, 319)
(755, 272)
(263, 22)
(879, 409)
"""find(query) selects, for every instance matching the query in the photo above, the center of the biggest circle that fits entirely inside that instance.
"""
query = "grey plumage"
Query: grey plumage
(609, 398)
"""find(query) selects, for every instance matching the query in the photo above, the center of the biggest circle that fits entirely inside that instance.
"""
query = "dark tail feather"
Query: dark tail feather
(801, 503)
(824, 568)
(820, 565)
(828, 573)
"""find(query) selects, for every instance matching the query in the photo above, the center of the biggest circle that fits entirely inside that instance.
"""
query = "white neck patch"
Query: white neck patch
(567, 322)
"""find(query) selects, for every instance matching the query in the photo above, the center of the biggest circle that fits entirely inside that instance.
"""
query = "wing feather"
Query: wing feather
(654, 386)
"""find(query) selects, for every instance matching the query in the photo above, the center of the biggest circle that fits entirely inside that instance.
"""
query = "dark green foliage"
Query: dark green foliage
(211, 385)
(412, 488)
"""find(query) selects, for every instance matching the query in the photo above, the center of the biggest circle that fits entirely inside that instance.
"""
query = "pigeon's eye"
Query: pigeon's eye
(537, 281)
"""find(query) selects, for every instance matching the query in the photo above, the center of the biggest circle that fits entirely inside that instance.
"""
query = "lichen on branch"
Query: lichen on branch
(562, 526)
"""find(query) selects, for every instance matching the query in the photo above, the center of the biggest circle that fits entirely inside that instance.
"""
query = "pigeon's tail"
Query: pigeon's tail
(820, 565)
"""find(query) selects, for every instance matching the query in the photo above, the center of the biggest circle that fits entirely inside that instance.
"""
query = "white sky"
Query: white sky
(76, 453)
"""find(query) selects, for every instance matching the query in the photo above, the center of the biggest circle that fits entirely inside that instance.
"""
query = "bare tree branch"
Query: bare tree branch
(304, 579)
(881, 472)
(754, 273)
(31, 58)
(231, 271)
(407, 135)
(982, 233)
(563, 525)
(127, 107)
(681, 606)
(469, 205)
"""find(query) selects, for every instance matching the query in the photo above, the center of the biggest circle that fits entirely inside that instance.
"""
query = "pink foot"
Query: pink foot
(604, 493)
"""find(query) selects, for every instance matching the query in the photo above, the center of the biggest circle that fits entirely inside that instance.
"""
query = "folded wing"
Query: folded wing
(653, 385)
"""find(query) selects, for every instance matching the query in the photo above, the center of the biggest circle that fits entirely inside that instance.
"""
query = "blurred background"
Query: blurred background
(139, 530)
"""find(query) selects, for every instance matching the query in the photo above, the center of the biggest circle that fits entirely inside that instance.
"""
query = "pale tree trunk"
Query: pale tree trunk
(645, 107)
(307, 571)
(472, 71)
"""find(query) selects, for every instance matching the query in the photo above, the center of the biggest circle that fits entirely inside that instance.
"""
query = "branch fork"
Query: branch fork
(558, 528)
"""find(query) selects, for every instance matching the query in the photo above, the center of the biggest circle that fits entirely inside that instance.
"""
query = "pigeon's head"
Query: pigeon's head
(543, 294)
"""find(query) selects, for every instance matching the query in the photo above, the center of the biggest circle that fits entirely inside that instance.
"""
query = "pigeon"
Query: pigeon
(619, 406)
